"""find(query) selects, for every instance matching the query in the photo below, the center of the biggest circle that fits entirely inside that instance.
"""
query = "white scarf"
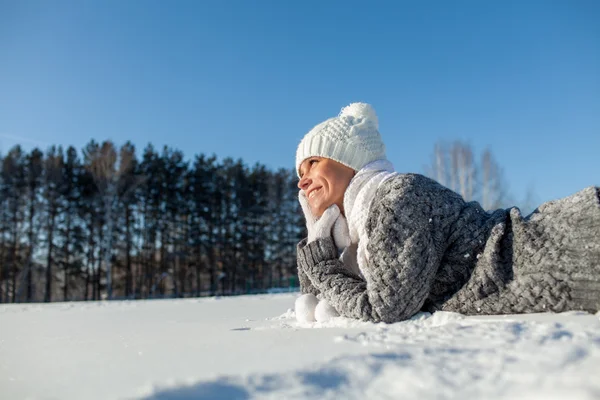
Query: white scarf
(357, 201)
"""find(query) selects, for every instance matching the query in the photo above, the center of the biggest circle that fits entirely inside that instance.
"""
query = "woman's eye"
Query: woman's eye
(311, 162)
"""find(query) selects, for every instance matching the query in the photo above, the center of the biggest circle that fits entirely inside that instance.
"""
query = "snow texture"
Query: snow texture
(245, 348)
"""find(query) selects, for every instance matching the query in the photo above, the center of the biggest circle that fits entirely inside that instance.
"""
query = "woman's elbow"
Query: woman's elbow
(386, 312)
(390, 316)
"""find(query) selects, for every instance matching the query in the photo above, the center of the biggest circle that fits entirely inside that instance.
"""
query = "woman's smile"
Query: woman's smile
(314, 192)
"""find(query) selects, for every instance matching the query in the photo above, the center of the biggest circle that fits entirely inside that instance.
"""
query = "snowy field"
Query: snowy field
(252, 347)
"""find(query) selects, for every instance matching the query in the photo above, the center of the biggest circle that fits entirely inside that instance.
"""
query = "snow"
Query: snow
(304, 307)
(251, 347)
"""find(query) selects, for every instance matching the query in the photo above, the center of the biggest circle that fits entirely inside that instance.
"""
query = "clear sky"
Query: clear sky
(247, 79)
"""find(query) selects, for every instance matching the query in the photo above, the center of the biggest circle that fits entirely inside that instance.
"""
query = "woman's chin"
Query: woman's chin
(317, 211)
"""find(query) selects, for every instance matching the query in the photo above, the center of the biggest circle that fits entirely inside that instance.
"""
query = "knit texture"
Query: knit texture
(352, 138)
(429, 250)
(357, 201)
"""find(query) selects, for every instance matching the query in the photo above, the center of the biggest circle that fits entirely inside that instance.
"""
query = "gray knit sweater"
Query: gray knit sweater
(430, 250)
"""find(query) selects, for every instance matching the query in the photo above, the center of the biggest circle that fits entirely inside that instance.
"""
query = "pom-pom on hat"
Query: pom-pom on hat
(352, 138)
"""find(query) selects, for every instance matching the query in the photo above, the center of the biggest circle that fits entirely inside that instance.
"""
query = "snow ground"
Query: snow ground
(250, 347)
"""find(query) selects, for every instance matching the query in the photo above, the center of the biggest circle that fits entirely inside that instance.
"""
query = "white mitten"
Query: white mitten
(305, 307)
(341, 233)
(308, 215)
(318, 228)
(324, 312)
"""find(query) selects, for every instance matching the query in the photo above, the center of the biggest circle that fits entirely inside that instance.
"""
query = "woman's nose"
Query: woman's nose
(303, 183)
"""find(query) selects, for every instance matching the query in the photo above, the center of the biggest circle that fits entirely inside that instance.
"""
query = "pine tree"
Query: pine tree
(202, 197)
(14, 193)
(259, 221)
(53, 183)
(150, 201)
(130, 180)
(175, 208)
(109, 170)
(34, 168)
(88, 215)
(70, 196)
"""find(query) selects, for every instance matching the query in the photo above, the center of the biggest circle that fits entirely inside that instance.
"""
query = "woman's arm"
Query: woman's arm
(306, 285)
(404, 254)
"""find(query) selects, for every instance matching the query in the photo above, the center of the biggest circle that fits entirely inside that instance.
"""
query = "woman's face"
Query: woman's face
(324, 183)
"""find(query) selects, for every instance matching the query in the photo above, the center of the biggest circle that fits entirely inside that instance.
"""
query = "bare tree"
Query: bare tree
(530, 201)
(493, 193)
(463, 167)
(455, 167)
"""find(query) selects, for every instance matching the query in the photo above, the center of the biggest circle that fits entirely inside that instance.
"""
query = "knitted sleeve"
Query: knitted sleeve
(306, 285)
(403, 259)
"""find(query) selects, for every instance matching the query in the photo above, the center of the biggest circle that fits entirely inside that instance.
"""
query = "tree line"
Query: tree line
(109, 224)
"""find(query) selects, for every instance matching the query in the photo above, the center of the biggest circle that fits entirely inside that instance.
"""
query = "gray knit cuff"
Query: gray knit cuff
(306, 285)
(301, 244)
(320, 250)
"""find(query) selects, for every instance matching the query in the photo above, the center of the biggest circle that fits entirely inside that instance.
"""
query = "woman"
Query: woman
(383, 246)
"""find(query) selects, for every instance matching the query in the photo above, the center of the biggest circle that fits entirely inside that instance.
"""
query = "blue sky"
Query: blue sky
(247, 79)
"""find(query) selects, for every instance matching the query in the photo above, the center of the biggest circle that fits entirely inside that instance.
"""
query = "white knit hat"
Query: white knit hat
(352, 138)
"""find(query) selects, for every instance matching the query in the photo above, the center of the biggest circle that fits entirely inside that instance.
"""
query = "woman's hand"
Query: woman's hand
(331, 223)
(341, 233)
(321, 227)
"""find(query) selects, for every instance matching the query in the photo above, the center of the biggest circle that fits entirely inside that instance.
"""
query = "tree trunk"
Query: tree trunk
(2, 268)
(48, 295)
(211, 268)
(15, 258)
(128, 267)
(28, 264)
(67, 255)
(108, 248)
(90, 257)
(87, 280)
(198, 268)
(98, 269)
